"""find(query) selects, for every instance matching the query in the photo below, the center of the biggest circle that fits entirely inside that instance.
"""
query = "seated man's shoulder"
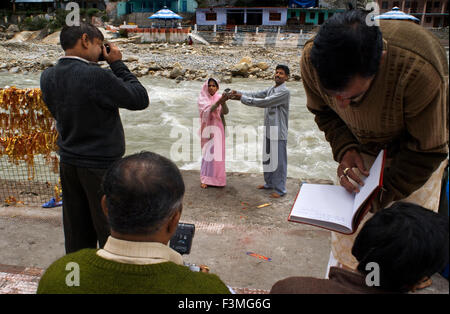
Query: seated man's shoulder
(54, 279)
(198, 282)
(79, 256)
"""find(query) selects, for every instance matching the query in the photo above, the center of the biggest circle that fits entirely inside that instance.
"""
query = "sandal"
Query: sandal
(52, 203)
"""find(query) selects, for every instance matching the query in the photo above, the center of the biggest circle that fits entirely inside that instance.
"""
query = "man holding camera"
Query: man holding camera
(143, 196)
(85, 100)
(275, 101)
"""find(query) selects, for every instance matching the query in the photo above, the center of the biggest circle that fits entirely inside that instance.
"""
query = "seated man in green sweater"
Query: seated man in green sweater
(142, 200)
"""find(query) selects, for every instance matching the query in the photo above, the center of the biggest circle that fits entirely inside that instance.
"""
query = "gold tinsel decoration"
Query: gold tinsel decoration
(26, 128)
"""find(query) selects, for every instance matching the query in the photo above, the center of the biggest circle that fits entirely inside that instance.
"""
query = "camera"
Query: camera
(102, 57)
(181, 241)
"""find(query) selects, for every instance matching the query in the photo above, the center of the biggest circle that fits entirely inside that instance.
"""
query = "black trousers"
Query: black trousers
(83, 219)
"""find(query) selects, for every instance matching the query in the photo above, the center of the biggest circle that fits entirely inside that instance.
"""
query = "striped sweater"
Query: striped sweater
(405, 110)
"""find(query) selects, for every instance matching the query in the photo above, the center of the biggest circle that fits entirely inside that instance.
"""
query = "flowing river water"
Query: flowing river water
(169, 126)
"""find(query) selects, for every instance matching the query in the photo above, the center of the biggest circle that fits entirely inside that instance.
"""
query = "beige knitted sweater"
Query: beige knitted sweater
(405, 110)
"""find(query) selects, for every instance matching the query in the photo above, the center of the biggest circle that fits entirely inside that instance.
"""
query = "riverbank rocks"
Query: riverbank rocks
(177, 62)
(177, 71)
(246, 68)
(131, 59)
(154, 67)
(227, 79)
(240, 69)
(14, 70)
(52, 39)
(45, 63)
(262, 66)
(296, 77)
(247, 60)
(13, 28)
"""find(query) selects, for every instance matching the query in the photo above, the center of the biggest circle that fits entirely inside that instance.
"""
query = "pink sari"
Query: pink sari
(212, 134)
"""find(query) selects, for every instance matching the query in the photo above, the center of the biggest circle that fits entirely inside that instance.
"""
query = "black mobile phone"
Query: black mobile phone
(181, 241)
(102, 57)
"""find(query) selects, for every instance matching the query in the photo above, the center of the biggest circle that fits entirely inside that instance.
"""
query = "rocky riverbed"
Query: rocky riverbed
(25, 52)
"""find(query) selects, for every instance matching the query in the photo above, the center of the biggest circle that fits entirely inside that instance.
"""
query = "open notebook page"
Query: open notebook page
(325, 203)
(370, 183)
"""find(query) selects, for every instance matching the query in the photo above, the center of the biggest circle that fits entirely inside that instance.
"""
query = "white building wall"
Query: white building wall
(266, 14)
(221, 16)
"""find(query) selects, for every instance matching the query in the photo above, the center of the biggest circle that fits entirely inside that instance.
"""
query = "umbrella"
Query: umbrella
(165, 14)
(396, 14)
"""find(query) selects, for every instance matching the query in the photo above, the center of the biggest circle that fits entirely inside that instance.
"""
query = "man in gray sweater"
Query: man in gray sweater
(85, 100)
(275, 101)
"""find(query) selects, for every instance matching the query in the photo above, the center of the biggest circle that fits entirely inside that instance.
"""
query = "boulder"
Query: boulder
(247, 60)
(262, 65)
(13, 28)
(296, 77)
(176, 72)
(227, 79)
(254, 70)
(164, 73)
(143, 72)
(42, 33)
(23, 37)
(131, 59)
(177, 65)
(45, 63)
(240, 69)
(154, 67)
(14, 70)
(133, 67)
(52, 39)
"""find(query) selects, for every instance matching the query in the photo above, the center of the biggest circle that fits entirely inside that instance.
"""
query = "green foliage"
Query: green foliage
(4, 13)
(105, 18)
(58, 21)
(34, 24)
(92, 11)
(123, 33)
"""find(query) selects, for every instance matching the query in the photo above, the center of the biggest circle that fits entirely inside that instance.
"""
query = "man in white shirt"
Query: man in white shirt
(143, 195)
(275, 101)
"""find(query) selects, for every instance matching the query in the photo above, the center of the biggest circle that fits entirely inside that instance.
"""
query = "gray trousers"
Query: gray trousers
(275, 165)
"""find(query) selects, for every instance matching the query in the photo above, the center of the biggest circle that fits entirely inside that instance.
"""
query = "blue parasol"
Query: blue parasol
(165, 14)
(396, 14)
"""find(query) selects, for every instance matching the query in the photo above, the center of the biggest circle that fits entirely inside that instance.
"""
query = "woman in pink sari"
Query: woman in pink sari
(212, 108)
